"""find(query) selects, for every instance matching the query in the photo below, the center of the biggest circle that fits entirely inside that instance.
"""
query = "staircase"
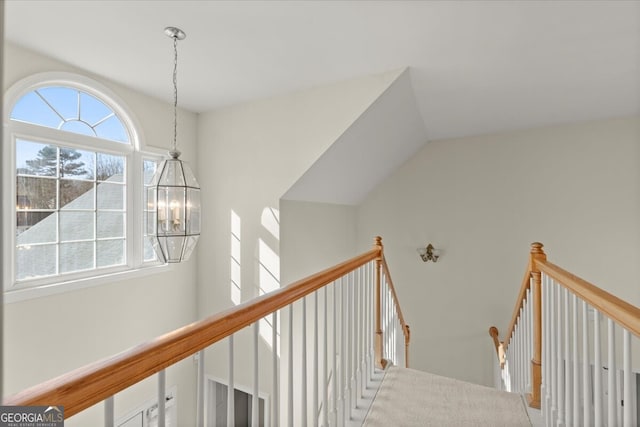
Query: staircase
(340, 357)
(553, 349)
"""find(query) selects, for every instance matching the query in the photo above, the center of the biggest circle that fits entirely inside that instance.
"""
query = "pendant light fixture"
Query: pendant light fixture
(173, 196)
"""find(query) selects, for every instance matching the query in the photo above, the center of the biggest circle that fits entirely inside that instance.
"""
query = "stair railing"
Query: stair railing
(553, 349)
(392, 317)
(354, 320)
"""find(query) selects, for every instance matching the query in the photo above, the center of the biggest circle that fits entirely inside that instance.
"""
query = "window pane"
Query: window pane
(148, 170)
(110, 168)
(35, 193)
(76, 164)
(76, 126)
(110, 196)
(149, 252)
(93, 110)
(36, 159)
(32, 109)
(76, 194)
(36, 227)
(110, 252)
(35, 261)
(110, 224)
(112, 129)
(76, 226)
(63, 99)
(76, 256)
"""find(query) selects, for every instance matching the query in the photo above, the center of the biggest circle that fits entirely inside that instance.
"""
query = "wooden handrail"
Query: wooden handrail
(405, 328)
(91, 384)
(616, 309)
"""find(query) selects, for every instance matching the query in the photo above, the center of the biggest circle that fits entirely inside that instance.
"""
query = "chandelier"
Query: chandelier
(173, 197)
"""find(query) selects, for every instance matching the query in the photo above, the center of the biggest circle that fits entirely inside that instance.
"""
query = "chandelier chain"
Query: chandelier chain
(175, 93)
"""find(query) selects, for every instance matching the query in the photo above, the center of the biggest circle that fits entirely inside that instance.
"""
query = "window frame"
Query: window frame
(134, 265)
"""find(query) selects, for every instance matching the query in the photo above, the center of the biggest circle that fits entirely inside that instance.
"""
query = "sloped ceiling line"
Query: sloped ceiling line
(385, 136)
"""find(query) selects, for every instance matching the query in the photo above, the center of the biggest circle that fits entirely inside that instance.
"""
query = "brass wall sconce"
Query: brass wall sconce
(429, 253)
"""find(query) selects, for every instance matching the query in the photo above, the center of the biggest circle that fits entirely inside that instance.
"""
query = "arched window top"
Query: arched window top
(72, 110)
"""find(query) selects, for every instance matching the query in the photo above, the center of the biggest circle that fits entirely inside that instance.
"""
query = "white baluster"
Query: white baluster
(546, 348)
(275, 390)
(353, 353)
(629, 402)
(200, 390)
(363, 333)
(334, 359)
(529, 340)
(315, 397)
(290, 370)
(597, 374)
(568, 398)
(255, 403)
(521, 355)
(325, 362)
(109, 412)
(560, 358)
(611, 379)
(554, 351)
(162, 384)
(303, 366)
(347, 344)
(587, 405)
(372, 318)
(231, 388)
(388, 324)
(343, 354)
(358, 334)
(526, 361)
(576, 367)
(383, 313)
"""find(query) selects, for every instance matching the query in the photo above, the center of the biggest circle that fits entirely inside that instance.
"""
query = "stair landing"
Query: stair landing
(408, 397)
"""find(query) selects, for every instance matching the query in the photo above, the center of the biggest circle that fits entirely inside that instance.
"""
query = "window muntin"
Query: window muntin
(88, 187)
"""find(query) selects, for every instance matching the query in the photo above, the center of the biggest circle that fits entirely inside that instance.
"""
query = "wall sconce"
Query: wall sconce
(429, 253)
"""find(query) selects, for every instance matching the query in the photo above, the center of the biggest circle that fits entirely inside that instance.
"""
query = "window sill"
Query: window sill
(23, 294)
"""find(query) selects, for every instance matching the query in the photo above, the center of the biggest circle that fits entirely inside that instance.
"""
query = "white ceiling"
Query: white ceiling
(476, 67)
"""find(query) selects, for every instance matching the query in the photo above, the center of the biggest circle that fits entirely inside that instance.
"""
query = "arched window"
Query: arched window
(77, 181)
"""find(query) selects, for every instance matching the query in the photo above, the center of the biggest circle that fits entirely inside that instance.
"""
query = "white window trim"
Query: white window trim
(135, 266)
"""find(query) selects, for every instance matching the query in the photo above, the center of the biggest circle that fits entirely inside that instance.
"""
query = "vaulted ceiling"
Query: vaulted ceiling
(476, 67)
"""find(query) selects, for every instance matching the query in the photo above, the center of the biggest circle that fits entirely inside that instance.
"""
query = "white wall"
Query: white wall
(315, 236)
(249, 156)
(49, 336)
(482, 201)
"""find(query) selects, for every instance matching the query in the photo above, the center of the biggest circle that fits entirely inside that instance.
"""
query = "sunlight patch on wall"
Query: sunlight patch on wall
(271, 221)
(269, 270)
(236, 274)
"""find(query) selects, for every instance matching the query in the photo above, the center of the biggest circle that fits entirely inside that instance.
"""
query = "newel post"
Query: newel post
(379, 361)
(537, 254)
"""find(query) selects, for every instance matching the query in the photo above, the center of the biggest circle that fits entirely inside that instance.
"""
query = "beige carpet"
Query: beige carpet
(413, 398)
